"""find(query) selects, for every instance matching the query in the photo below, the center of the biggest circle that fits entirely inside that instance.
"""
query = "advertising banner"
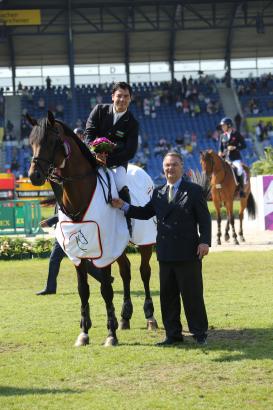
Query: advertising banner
(268, 201)
(20, 17)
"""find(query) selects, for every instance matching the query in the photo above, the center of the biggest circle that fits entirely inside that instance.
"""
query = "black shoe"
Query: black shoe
(46, 292)
(201, 340)
(171, 341)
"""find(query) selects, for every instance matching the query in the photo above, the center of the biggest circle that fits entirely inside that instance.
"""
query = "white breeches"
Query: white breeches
(120, 177)
(239, 166)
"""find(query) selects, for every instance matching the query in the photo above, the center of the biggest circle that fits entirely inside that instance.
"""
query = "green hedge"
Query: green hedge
(18, 248)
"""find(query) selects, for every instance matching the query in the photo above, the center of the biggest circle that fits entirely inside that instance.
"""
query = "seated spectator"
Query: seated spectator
(41, 103)
(193, 140)
(187, 137)
(179, 140)
(186, 106)
(210, 108)
(60, 111)
(196, 109)
(269, 129)
(178, 105)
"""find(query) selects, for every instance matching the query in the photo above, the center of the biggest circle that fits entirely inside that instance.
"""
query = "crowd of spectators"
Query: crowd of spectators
(256, 94)
(189, 97)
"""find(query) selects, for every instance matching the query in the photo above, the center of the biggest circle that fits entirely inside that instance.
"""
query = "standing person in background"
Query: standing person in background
(56, 257)
(48, 83)
(117, 123)
(182, 212)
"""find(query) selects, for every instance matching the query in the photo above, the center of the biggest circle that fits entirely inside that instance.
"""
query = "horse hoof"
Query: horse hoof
(82, 340)
(236, 242)
(152, 324)
(111, 341)
(124, 324)
(227, 238)
(218, 242)
(242, 239)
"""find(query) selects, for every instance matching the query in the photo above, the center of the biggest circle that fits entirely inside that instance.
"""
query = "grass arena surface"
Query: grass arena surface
(40, 368)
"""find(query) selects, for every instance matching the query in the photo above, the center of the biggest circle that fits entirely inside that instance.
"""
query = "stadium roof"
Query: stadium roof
(122, 31)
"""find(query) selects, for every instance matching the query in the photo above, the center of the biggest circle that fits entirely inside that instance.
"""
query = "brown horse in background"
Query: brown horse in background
(223, 191)
(63, 159)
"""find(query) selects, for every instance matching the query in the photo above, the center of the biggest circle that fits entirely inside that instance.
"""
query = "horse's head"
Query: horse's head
(48, 148)
(207, 161)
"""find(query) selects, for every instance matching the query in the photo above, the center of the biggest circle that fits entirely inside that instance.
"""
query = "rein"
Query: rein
(215, 173)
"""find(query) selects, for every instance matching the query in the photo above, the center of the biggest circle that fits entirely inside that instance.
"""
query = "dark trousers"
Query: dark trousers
(185, 279)
(56, 257)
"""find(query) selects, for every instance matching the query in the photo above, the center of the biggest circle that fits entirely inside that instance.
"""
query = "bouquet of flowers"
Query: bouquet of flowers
(102, 145)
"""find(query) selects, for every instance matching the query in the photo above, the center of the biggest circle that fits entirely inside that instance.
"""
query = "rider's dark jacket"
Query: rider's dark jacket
(236, 140)
(124, 133)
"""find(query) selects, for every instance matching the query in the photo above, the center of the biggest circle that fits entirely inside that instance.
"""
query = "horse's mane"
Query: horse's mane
(83, 148)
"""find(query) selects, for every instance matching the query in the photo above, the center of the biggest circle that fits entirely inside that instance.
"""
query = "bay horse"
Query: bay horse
(60, 157)
(223, 192)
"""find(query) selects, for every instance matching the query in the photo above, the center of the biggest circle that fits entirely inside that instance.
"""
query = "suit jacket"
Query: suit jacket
(236, 140)
(181, 224)
(124, 133)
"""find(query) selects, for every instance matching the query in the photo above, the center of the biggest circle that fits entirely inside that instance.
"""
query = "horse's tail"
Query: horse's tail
(51, 200)
(201, 179)
(251, 206)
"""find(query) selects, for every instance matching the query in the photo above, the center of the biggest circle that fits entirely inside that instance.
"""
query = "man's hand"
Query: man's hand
(202, 250)
(44, 224)
(102, 158)
(117, 203)
(231, 147)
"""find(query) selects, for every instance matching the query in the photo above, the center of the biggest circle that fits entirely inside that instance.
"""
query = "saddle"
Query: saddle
(236, 176)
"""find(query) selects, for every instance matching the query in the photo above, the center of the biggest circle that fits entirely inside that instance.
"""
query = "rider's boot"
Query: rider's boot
(124, 194)
(241, 186)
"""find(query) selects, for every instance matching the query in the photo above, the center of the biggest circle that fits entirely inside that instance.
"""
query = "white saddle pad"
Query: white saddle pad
(141, 187)
(103, 234)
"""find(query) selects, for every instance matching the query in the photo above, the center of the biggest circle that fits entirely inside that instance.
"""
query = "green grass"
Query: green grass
(40, 368)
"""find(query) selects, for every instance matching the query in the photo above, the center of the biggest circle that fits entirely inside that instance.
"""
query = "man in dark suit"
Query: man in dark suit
(183, 238)
(117, 123)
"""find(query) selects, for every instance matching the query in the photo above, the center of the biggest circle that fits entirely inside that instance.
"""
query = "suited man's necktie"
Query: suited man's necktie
(171, 193)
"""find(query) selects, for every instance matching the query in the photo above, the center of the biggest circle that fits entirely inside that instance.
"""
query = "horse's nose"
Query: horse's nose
(36, 177)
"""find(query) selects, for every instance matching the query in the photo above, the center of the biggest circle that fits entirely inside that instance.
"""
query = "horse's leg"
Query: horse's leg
(227, 237)
(145, 272)
(243, 203)
(229, 207)
(83, 289)
(217, 206)
(127, 307)
(108, 295)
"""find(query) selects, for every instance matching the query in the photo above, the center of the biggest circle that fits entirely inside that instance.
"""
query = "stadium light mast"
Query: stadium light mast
(71, 62)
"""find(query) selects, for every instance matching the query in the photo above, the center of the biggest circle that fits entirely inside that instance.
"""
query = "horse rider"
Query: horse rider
(115, 122)
(231, 142)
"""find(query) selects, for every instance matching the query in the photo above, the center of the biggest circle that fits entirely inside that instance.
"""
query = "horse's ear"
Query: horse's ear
(51, 118)
(31, 120)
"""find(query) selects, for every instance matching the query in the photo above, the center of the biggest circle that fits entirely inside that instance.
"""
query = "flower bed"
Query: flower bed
(18, 248)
